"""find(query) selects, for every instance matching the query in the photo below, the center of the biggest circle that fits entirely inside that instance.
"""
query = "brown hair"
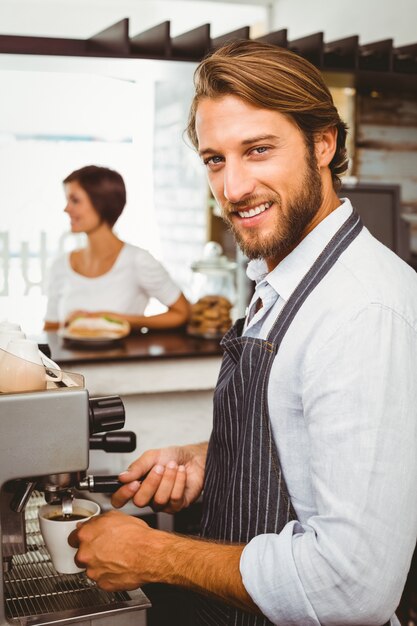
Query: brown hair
(270, 77)
(104, 187)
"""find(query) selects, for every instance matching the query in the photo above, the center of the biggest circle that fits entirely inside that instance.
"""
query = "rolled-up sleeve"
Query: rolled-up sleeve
(347, 563)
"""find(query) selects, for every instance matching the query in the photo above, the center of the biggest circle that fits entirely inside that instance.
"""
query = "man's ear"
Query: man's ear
(325, 146)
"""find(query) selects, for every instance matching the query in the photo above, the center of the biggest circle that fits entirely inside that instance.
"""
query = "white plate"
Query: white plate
(65, 334)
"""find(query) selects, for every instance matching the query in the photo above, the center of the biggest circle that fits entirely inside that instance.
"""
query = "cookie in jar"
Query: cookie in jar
(213, 293)
(210, 317)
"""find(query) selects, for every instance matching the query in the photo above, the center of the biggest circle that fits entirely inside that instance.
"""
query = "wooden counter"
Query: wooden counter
(152, 345)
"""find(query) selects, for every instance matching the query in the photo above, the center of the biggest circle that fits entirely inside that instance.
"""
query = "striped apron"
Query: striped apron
(245, 494)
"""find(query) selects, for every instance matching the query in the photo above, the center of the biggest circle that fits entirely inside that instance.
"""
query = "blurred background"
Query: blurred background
(61, 111)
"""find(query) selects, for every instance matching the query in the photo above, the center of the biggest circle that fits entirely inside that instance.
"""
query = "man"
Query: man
(310, 513)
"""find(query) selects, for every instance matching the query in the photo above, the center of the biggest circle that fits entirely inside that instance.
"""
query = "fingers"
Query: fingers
(147, 488)
(155, 479)
(124, 494)
(73, 539)
(178, 490)
(163, 488)
(169, 496)
(139, 468)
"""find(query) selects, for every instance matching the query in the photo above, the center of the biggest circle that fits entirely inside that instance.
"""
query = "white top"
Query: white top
(134, 278)
(343, 407)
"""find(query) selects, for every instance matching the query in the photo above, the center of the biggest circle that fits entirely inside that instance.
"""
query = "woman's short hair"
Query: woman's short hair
(270, 77)
(104, 187)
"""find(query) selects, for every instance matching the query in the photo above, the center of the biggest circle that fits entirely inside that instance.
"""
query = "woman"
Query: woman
(108, 276)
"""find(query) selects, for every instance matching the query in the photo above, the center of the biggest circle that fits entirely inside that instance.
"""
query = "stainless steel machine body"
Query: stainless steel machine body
(45, 437)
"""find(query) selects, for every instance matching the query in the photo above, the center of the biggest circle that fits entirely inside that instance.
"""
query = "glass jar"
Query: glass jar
(213, 293)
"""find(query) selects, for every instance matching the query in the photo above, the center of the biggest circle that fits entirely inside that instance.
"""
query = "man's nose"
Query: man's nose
(238, 183)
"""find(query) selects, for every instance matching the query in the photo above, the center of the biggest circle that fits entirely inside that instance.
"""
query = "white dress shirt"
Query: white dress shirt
(135, 277)
(343, 407)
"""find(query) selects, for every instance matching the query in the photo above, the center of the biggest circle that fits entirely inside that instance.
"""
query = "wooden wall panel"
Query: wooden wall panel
(386, 147)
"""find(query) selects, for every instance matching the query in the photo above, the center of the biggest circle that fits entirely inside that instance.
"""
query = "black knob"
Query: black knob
(107, 413)
(123, 441)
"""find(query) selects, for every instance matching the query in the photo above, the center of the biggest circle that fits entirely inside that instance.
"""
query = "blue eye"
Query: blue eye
(214, 160)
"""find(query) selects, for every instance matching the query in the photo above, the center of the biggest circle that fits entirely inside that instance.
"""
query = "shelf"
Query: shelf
(376, 66)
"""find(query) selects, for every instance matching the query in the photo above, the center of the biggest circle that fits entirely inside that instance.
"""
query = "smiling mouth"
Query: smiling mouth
(257, 210)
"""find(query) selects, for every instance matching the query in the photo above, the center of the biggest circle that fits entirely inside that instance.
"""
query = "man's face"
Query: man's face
(261, 173)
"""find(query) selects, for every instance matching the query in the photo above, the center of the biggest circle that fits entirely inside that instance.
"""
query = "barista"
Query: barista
(108, 277)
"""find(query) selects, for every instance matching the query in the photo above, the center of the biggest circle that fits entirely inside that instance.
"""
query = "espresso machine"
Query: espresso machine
(45, 438)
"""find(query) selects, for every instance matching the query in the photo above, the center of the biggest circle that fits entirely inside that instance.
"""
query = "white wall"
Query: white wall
(372, 20)
(83, 18)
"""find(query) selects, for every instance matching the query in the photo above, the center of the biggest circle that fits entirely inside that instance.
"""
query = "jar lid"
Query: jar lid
(213, 259)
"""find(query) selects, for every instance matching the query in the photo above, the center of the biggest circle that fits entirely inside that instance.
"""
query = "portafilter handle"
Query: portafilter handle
(99, 484)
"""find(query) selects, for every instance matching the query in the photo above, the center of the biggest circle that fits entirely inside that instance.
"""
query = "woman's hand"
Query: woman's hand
(168, 479)
(74, 314)
(177, 314)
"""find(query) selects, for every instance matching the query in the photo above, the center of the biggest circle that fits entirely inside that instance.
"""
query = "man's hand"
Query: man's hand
(121, 552)
(115, 549)
(168, 479)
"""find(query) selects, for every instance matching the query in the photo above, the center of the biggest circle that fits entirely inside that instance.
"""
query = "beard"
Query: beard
(290, 225)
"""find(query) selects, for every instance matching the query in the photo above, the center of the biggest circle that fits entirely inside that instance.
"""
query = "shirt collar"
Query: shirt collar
(285, 277)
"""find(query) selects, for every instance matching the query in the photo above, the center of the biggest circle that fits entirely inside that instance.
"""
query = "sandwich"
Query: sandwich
(102, 326)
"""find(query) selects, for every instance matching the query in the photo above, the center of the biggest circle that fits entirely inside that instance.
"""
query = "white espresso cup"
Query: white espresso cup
(9, 334)
(22, 368)
(56, 530)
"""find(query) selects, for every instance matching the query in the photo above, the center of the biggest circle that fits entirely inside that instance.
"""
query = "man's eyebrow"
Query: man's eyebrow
(245, 142)
(206, 151)
(259, 138)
